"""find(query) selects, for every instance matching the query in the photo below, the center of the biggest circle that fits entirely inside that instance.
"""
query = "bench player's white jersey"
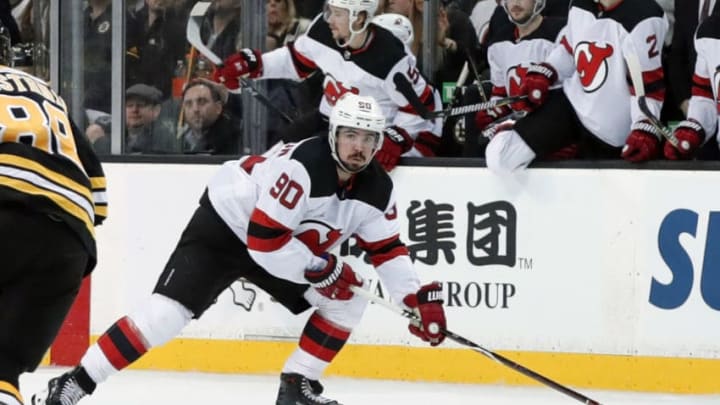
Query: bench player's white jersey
(592, 58)
(383, 69)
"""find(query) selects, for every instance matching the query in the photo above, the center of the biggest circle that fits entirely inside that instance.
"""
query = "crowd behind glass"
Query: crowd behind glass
(172, 106)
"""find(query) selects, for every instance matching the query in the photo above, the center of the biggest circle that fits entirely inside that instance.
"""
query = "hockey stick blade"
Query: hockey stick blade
(474, 346)
(635, 70)
(192, 33)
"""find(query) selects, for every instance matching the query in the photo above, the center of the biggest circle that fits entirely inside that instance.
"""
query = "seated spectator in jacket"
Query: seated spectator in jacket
(145, 132)
(153, 45)
(220, 29)
(209, 128)
(297, 99)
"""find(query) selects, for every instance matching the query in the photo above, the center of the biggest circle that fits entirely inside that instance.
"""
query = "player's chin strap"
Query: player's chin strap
(476, 347)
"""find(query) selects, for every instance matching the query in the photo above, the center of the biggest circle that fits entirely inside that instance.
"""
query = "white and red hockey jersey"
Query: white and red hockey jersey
(374, 70)
(592, 58)
(705, 101)
(509, 56)
(287, 206)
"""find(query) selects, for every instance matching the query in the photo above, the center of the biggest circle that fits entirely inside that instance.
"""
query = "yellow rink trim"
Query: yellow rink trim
(654, 374)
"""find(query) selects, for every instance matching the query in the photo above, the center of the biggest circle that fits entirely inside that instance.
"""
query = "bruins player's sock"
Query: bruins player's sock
(9, 394)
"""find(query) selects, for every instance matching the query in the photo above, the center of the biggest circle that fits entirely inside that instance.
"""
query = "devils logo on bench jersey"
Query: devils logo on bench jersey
(516, 75)
(591, 63)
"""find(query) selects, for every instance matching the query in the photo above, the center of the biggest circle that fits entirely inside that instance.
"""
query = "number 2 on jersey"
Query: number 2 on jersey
(286, 191)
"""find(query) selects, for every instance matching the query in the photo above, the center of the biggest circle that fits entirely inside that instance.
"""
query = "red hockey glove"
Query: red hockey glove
(427, 304)
(396, 142)
(334, 280)
(690, 134)
(537, 82)
(642, 144)
(246, 63)
(486, 117)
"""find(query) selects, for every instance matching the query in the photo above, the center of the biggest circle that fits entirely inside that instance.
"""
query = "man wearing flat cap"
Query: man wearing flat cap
(144, 132)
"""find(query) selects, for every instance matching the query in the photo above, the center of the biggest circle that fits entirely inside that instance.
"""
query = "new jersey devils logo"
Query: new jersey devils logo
(318, 236)
(335, 89)
(515, 77)
(591, 63)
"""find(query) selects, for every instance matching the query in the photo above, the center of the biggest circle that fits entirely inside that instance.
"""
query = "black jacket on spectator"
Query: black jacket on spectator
(225, 44)
(463, 33)
(223, 137)
(153, 51)
(8, 21)
(98, 64)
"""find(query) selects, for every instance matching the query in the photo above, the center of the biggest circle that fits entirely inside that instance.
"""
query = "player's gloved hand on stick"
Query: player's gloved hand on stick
(483, 118)
(334, 280)
(396, 142)
(246, 63)
(426, 303)
(642, 144)
(537, 82)
(690, 135)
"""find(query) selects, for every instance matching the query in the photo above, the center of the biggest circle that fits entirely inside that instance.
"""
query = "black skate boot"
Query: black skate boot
(296, 389)
(66, 389)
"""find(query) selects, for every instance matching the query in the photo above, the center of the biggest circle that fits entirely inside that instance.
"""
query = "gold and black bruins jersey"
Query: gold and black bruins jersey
(46, 163)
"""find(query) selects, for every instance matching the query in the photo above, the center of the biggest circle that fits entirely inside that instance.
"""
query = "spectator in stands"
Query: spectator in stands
(210, 129)
(153, 45)
(456, 37)
(284, 25)
(145, 131)
(297, 99)
(8, 21)
(221, 28)
(97, 55)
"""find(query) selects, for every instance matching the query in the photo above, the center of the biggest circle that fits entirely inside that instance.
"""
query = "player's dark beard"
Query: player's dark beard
(524, 20)
(353, 160)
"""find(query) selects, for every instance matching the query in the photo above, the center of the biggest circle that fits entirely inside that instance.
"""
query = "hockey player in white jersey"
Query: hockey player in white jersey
(596, 107)
(513, 48)
(273, 219)
(356, 57)
(704, 108)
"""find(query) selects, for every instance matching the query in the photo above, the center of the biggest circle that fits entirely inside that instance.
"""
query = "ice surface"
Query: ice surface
(132, 387)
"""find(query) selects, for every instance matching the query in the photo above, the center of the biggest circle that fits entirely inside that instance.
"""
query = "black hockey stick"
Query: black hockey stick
(405, 88)
(485, 105)
(476, 347)
(635, 71)
(192, 32)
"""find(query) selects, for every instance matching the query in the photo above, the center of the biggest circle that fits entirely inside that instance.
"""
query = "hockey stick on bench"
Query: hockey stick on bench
(635, 70)
(474, 346)
(192, 32)
(405, 88)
